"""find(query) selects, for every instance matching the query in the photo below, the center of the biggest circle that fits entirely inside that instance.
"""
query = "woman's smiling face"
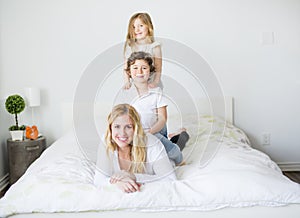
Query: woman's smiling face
(122, 130)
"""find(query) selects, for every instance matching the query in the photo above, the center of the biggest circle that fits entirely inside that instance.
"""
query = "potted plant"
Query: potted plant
(15, 104)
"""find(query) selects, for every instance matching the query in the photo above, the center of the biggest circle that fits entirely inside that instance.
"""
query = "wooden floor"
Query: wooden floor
(293, 175)
(3, 191)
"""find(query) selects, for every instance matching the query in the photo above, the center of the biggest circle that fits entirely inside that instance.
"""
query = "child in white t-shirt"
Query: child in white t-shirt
(150, 104)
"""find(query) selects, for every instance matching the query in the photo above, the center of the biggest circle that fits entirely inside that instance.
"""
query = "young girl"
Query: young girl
(135, 157)
(150, 104)
(140, 37)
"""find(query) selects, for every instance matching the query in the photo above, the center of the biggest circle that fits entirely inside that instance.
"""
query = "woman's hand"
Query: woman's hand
(122, 176)
(125, 181)
(129, 186)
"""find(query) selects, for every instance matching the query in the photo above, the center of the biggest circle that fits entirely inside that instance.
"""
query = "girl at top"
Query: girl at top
(132, 156)
(140, 37)
(151, 104)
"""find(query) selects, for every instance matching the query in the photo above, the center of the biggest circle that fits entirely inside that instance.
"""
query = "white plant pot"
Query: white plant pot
(17, 135)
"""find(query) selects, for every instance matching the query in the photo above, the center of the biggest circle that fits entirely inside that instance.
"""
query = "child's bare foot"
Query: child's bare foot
(176, 133)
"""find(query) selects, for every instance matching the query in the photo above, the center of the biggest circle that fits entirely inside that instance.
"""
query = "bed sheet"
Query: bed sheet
(236, 175)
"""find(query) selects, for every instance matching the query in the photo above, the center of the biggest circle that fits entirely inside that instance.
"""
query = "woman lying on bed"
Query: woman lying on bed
(132, 157)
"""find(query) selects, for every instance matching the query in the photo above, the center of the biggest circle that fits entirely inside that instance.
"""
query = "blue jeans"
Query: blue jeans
(172, 149)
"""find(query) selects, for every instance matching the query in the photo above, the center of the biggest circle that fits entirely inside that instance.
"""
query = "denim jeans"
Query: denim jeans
(172, 149)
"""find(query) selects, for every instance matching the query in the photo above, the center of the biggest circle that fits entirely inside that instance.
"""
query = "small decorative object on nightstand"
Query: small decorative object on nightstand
(21, 154)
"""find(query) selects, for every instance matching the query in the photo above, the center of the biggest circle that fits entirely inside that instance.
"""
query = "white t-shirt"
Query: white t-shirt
(157, 165)
(149, 48)
(146, 105)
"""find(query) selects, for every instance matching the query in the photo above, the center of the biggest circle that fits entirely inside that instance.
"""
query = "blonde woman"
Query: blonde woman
(140, 37)
(134, 157)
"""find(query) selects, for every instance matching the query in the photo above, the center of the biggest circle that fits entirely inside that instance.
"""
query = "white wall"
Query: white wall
(48, 44)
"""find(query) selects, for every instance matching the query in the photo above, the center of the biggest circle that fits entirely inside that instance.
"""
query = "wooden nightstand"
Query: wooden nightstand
(21, 154)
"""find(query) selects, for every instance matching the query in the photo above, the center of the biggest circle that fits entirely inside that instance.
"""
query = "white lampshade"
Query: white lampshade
(33, 97)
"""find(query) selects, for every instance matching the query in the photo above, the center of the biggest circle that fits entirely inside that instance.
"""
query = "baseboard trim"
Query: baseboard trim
(4, 182)
(289, 166)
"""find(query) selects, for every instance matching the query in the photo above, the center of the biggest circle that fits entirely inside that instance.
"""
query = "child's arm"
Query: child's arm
(161, 120)
(126, 76)
(157, 57)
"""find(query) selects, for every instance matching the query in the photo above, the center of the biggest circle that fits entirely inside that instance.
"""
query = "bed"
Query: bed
(223, 177)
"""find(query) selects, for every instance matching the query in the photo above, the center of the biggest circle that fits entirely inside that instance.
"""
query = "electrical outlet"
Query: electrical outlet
(266, 137)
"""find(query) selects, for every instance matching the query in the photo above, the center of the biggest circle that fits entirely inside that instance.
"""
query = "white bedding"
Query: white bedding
(61, 180)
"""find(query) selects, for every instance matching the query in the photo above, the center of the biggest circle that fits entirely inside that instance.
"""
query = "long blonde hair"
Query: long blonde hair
(146, 20)
(138, 146)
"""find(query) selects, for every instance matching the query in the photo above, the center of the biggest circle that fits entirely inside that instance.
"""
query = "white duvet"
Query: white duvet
(61, 180)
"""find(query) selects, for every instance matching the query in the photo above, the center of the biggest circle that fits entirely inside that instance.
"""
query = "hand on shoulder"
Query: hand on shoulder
(153, 85)
(127, 85)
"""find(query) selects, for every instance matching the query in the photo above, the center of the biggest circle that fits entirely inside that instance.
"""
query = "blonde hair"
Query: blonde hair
(146, 20)
(138, 146)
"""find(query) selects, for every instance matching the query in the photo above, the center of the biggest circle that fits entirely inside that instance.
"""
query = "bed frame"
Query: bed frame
(291, 211)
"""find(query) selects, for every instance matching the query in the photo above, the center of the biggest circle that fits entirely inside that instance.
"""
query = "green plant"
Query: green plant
(15, 104)
(13, 128)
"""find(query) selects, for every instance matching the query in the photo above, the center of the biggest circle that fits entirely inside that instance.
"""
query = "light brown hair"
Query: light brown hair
(146, 20)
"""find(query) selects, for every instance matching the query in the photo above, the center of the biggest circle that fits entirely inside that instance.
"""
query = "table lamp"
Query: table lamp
(33, 99)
